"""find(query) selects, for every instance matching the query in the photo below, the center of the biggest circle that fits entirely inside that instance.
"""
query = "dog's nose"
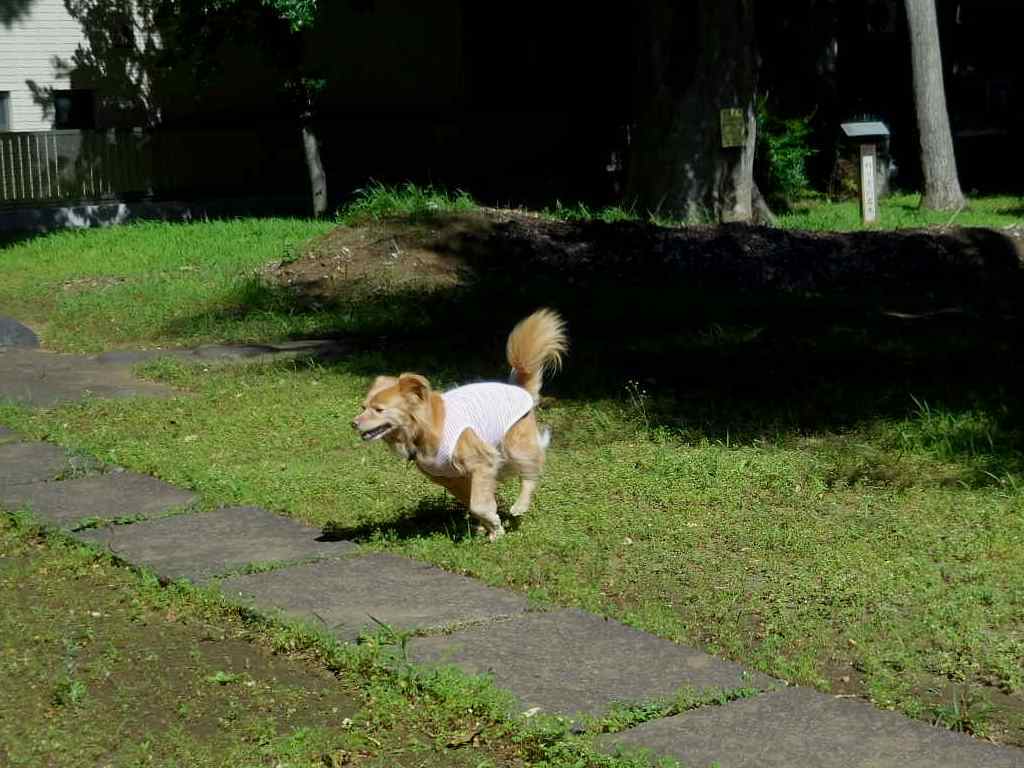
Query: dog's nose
(355, 423)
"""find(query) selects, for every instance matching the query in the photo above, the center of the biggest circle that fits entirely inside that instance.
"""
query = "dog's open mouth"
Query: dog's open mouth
(377, 432)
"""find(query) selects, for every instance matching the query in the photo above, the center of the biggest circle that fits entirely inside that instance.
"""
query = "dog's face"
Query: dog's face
(392, 408)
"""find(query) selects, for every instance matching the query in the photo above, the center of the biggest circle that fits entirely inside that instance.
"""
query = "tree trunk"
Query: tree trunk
(941, 183)
(317, 177)
(678, 167)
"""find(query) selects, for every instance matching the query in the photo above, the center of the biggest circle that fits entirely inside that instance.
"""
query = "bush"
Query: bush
(783, 147)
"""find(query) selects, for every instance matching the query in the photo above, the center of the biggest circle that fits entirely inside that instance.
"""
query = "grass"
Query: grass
(411, 201)
(583, 212)
(113, 669)
(795, 556)
(897, 211)
(901, 211)
(156, 283)
(824, 497)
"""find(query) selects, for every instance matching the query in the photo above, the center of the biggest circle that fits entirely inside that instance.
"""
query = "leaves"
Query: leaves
(299, 14)
(222, 678)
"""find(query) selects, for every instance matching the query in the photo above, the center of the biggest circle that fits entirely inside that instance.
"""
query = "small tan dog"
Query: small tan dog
(464, 438)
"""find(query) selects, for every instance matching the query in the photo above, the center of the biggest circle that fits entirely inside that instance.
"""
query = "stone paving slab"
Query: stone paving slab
(571, 662)
(403, 593)
(228, 353)
(44, 379)
(34, 462)
(106, 496)
(200, 546)
(801, 727)
(9, 436)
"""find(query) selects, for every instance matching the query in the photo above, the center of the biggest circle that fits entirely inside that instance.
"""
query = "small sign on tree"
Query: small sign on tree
(734, 127)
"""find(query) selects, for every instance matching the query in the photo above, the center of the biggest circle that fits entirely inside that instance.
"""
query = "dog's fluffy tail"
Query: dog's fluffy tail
(535, 347)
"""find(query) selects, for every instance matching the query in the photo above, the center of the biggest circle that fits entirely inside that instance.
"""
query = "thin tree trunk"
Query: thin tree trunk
(317, 177)
(941, 183)
(678, 167)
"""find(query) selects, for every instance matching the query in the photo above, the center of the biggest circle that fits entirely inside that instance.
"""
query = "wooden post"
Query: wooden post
(866, 134)
(868, 194)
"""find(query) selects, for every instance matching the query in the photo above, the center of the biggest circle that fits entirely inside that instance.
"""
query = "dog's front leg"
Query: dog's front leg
(482, 503)
(457, 487)
(479, 462)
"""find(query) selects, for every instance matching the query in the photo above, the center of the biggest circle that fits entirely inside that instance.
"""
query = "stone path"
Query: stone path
(555, 660)
(38, 378)
(35, 377)
(201, 546)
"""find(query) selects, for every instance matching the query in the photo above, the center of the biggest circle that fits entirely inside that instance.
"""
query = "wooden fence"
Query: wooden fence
(79, 166)
(50, 166)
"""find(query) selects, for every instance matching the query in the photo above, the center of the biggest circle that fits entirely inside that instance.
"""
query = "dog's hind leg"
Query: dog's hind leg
(483, 505)
(524, 447)
(522, 503)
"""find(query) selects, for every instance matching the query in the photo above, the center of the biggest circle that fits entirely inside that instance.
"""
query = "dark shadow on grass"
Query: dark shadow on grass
(12, 238)
(432, 515)
(728, 333)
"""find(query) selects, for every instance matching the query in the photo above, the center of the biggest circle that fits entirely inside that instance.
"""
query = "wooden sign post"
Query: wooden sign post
(868, 198)
(867, 134)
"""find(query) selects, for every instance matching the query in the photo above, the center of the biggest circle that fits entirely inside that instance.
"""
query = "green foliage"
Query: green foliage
(220, 677)
(582, 212)
(783, 150)
(622, 717)
(966, 712)
(299, 14)
(69, 692)
(378, 201)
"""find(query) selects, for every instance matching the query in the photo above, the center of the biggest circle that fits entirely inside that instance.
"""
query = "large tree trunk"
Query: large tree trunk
(317, 177)
(941, 183)
(701, 59)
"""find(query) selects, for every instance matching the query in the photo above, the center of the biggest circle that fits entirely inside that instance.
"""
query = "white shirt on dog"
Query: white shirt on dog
(488, 408)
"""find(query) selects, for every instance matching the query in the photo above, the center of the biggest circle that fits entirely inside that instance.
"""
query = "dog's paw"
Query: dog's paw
(518, 510)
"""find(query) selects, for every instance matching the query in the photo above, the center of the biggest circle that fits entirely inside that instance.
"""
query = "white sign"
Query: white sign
(868, 199)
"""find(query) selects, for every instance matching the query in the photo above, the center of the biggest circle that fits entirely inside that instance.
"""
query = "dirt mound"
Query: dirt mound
(919, 270)
(380, 255)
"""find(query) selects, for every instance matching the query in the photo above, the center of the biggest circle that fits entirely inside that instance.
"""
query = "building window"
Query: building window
(74, 109)
(5, 110)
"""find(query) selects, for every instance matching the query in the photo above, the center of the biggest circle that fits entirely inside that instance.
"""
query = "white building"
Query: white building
(38, 41)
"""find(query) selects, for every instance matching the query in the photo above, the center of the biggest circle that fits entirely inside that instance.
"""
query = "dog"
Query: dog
(465, 438)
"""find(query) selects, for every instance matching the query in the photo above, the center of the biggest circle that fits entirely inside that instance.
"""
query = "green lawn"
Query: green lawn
(900, 211)
(149, 283)
(826, 499)
(896, 211)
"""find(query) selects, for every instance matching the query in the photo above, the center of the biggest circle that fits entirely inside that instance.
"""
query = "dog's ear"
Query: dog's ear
(382, 382)
(414, 386)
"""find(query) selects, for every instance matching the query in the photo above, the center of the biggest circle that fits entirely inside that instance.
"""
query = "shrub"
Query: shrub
(783, 147)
